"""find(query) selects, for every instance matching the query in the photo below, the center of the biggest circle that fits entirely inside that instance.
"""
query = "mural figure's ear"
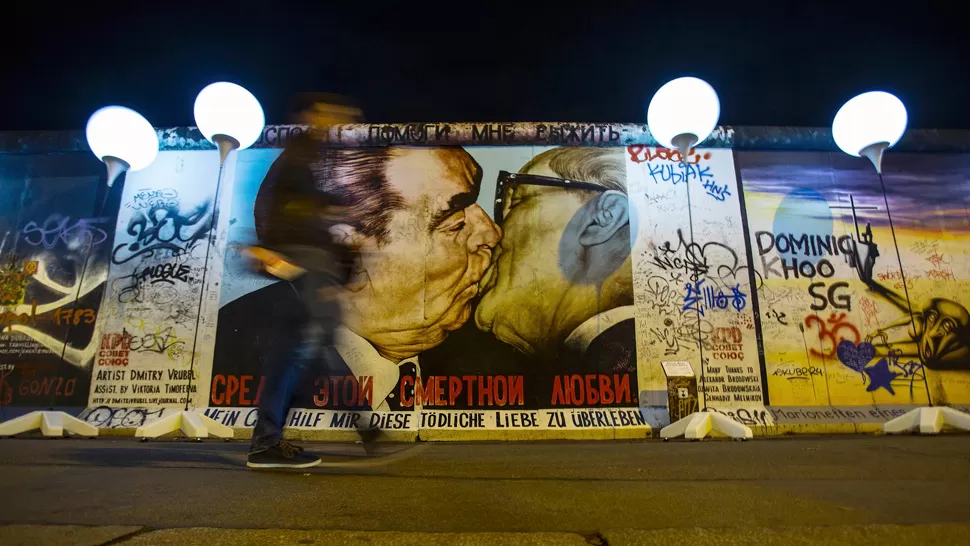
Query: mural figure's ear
(610, 213)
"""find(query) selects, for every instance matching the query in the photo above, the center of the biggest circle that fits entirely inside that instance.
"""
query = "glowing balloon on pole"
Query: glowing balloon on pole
(683, 113)
(868, 124)
(122, 138)
(229, 116)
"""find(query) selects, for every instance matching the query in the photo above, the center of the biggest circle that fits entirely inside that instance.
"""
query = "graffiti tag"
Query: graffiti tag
(831, 333)
(667, 337)
(717, 191)
(105, 417)
(640, 154)
(780, 317)
(697, 260)
(700, 299)
(677, 173)
(83, 232)
(163, 229)
(147, 198)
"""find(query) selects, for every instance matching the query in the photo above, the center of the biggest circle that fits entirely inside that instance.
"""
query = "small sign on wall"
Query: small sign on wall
(681, 389)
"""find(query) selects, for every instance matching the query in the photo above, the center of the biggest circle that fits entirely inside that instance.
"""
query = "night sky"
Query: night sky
(772, 63)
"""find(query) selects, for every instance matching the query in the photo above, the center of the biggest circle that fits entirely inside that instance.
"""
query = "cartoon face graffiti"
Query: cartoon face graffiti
(940, 331)
(943, 339)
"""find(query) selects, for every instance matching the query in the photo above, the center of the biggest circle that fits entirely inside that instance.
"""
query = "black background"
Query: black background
(777, 63)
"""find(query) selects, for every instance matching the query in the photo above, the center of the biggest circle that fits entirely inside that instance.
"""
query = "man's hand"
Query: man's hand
(273, 263)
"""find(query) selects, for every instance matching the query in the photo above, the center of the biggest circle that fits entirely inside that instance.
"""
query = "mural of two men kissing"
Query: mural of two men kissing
(486, 280)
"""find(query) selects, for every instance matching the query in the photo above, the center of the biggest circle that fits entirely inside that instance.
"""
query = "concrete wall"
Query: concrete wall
(767, 262)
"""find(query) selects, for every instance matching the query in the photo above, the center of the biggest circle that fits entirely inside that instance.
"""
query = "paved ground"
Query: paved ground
(854, 490)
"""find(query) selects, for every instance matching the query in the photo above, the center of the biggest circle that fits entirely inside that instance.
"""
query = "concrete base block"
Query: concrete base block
(928, 421)
(50, 423)
(698, 425)
(191, 423)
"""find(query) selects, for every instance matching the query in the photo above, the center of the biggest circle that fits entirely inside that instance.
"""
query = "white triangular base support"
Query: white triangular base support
(191, 423)
(50, 423)
(699, 424)
(928, 420)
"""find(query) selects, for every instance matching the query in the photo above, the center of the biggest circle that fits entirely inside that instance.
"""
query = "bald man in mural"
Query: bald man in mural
(423, 245)
(560, 285)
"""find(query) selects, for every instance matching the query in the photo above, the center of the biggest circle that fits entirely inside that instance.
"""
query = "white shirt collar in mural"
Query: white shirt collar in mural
(364, 360)
(585, 333)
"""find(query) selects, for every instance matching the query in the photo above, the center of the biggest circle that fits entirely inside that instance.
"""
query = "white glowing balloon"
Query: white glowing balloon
(683, 106)
(116, 131)
(869, 118)
(224, 108)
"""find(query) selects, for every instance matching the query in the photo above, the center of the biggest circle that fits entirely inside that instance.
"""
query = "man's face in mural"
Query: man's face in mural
(413, 288)
(560, 262)
(943, 343)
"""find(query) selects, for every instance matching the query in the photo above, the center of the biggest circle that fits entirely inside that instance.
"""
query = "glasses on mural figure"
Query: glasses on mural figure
(505, 188)
(566, 223)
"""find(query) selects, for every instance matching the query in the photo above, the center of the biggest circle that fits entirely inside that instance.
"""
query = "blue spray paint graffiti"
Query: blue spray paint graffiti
(700, 298)
(677, 173)
(717, 191)
(57, 228)
(881, 374)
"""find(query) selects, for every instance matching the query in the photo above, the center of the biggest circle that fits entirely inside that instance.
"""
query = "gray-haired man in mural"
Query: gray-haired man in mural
(560, 285)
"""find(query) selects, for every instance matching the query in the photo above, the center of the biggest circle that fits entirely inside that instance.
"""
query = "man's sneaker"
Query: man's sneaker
(282, 455)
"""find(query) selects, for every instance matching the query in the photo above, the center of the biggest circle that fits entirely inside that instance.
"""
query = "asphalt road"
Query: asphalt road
(760, 491)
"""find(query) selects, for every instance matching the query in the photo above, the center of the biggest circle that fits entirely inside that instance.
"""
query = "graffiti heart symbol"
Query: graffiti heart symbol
(855, 356)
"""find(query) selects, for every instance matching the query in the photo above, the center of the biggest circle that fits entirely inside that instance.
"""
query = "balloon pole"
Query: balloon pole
(226, 144)
(115, 168)
(190, 422)
(874, 153)
(684, 142)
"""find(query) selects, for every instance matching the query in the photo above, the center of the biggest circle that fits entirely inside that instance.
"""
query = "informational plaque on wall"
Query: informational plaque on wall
(681, 389)
(677, 369)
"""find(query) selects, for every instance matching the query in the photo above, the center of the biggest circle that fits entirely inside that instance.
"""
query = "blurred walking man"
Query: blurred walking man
(299, 247)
